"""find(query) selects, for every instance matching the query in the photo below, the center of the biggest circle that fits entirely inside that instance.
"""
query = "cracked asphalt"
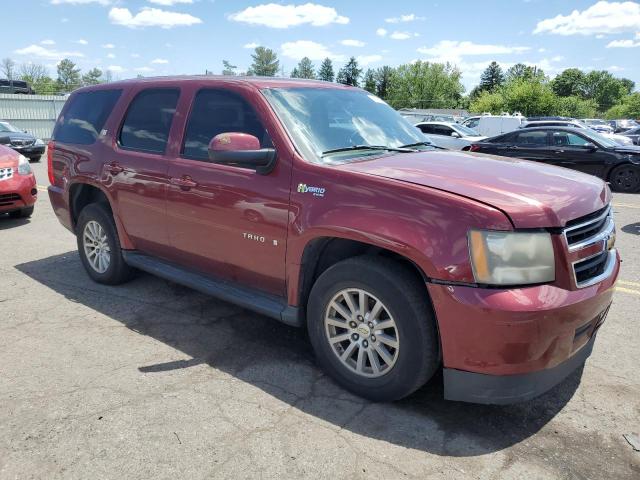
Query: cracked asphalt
(153, 380)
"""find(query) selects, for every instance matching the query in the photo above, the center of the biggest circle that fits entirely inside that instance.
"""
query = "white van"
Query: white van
(492, 125)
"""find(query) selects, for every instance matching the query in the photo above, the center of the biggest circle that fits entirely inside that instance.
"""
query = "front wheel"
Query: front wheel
(625, 179)
(372, 328)
(99, 246)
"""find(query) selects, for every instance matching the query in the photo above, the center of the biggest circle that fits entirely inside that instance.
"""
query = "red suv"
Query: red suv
(319, 205)
(18, 192)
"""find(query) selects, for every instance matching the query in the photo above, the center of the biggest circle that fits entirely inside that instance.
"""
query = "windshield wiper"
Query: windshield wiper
(403, 149)
(421, 144)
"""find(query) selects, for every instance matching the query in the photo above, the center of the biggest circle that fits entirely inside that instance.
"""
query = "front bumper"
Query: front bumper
(507, 345)
(29, 150)
(17, 193)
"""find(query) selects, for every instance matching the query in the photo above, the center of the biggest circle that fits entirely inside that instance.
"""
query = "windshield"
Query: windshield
(602, 140)
(323, 119)
(7, 127)
(466, 131)
(590, 121)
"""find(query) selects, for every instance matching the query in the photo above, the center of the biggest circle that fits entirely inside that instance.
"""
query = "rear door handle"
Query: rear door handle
(185, 182)
(558, 151)
(115, 168)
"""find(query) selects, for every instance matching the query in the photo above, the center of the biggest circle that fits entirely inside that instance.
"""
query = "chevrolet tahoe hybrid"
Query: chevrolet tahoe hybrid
(320, 206)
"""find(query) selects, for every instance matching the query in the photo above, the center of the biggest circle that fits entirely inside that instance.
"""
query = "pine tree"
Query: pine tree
(265, 62)
(350, 73)
(305, 69)
(68, 76)
(491, 78)
(295, 73)
(92, 77)
(227, 68)
(370, 82)
(383, 81)
(326, 71)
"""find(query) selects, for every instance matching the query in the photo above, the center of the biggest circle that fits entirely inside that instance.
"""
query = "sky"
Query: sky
(164, 37)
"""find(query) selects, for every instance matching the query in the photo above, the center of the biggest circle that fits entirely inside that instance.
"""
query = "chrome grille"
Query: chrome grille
(6, 173)
(22, 143)
(596, 228)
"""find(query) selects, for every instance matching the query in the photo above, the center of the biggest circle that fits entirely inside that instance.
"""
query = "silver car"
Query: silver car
(449, 135)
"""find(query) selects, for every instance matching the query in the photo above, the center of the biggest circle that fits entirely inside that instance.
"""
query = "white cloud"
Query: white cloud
(144, 69)
(151, 17)
(251, 45)
(111, 55)
(284, 16)
(47, 42)
(403, 35)
(42, 52)
(615, 68)
(623, 44)
(135, 55)
(453, 50)
(365, 60)
(108, 45)
(411, 17)
(169, 3)
(159, 61)
(82, 41)
(80, 2)
(116, 68)
(381, 32)
(601, 17)
(306, 48)
(352, 43)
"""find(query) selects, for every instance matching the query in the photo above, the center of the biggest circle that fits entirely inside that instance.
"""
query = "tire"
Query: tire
(23, 213)
(625, 179)
(103, 230)
(405, 301)
(35, 159)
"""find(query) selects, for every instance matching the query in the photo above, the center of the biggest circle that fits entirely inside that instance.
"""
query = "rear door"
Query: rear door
(136, 168)
(228, 221)
(530, 145)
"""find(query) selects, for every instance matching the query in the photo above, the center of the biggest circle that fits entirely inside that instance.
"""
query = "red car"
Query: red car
(319, 205)
(18, 192)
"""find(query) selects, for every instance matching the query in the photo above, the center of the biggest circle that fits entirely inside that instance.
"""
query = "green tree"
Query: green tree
(425, 85)
(326, 71)
(383, 81)
(491, 78)
(604, 88)
(492, 102)
(227, 68)
(370, 82)
(92, 77)
(575, 107)
(628, 108)
(520, 71)
(33, 73)
(265, 62)
(628, 85)
(530, 97)
(569, 83)
(350, 73)
(68, 76)
(295, 73)
(305, 69)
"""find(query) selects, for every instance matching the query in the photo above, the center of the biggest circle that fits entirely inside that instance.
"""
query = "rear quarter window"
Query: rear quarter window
(85, 116)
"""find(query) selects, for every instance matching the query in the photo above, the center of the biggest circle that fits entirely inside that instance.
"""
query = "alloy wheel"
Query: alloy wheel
(96, 246)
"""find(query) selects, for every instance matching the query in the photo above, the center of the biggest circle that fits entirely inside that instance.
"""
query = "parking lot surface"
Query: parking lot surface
(153, 380)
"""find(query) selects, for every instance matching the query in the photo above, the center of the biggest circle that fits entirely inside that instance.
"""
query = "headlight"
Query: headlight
(39, 141)
(24, 168)
(511, 258)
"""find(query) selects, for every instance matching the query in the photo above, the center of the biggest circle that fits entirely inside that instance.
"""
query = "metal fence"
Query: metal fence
(36, 114)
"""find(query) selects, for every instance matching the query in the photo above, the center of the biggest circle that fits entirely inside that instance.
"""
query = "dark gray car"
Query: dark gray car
(22, 142)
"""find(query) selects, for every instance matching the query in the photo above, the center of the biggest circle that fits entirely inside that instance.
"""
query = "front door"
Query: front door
(572, 150)
(227, 221)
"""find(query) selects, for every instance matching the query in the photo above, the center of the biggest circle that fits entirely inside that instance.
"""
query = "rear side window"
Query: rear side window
(148, 120)
(85, 116)
(215, 112)
(534, 139)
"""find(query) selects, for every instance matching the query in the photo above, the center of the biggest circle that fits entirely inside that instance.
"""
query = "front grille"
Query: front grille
(597, 228)
(22, 143)
(9, 199)
(6, 173)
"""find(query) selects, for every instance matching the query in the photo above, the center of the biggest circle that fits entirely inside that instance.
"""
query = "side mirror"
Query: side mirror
(455, 134)
(241, 150)
(590, 146)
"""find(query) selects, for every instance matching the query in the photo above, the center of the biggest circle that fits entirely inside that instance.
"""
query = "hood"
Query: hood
(17, 135)
(531, 194)
(8, 157)
(632, 149)
(474, 138)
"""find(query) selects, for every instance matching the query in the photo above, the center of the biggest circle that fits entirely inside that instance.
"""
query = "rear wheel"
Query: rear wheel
(23, 213)
(625, 178)
(372, 328)
(99, 246)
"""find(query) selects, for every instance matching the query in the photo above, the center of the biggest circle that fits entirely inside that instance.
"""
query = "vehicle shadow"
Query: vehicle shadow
(6, 222)
(278, 359)
(632, 228)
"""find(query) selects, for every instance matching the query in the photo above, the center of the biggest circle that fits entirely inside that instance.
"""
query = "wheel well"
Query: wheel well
(322, 253)
(81, 195)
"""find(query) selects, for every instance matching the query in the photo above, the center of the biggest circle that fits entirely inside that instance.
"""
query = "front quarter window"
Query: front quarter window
(323, 119)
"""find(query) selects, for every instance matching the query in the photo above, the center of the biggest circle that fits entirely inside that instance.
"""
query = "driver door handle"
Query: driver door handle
(185, 182)
(115, 168)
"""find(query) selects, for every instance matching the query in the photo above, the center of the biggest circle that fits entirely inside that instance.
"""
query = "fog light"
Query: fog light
(34, 192)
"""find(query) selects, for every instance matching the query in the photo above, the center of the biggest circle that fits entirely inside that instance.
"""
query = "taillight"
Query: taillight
(50, 148)
(474, 148)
